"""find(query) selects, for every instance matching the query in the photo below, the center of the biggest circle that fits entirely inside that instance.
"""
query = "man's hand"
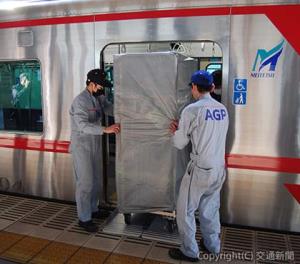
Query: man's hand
(173, 126)
(115, 128)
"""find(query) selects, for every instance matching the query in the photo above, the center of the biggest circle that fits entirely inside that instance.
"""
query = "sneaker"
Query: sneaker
(175, 253)
(88, 226)
(100, 214)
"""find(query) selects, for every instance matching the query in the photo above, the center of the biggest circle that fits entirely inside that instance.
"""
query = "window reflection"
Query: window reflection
(20, 96)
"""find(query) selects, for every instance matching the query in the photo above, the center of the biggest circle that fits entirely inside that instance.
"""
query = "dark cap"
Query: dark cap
(202, 78)
(98, 76)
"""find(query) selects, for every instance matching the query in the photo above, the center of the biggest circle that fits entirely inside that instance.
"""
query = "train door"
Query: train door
(208, 56)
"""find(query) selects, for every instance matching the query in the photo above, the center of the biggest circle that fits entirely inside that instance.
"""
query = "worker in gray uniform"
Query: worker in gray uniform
(205, 124)
(86, 113)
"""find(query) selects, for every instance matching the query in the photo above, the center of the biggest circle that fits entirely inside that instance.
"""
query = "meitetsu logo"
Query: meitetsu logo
(265, 62)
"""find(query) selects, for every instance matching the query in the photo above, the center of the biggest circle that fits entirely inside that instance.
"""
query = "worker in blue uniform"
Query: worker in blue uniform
(86, 114)
(205, 124)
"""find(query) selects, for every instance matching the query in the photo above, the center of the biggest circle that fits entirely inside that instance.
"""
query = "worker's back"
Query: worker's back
(208, 131)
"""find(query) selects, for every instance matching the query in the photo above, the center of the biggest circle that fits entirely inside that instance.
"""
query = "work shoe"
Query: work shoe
(175, 253)
(88, 226)
(100, 214)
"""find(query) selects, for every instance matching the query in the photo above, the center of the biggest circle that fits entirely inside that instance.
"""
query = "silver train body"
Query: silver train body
(264, 133)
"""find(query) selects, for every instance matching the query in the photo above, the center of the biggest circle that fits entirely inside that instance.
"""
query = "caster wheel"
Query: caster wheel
(127, 219)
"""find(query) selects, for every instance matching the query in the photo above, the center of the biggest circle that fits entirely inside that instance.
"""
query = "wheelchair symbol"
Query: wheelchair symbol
(240, 85)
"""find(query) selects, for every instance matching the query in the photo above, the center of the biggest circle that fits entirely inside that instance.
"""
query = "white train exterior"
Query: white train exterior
(261, 89)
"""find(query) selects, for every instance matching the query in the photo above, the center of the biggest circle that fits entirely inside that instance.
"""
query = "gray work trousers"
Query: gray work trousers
(87, 164)
(200, 190)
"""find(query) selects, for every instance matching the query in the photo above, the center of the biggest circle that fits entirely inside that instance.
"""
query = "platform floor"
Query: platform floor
(35, 231)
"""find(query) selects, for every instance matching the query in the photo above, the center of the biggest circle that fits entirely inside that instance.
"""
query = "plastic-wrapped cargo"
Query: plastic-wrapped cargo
(151, 89)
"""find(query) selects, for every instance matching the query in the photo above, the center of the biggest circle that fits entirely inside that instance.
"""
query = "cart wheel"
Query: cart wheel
(127, 219)
(171, 226)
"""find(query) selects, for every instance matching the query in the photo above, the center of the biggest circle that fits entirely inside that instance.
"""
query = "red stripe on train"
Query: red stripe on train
(34, 144)
(284, 17)
(294, 189)
(272, 11)
(215, 11)
(249, 162)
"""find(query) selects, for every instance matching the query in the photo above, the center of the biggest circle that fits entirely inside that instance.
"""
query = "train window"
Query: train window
(211, 67)
(20, 96)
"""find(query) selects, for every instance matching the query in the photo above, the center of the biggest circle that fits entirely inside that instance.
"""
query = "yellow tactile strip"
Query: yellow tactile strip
(121, 259)
(88, 255)
(25, 249)
(8, 239)
(151, 261)
(93, 256)
(56, 252)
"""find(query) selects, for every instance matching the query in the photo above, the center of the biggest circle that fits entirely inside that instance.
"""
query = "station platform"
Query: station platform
(43, 232)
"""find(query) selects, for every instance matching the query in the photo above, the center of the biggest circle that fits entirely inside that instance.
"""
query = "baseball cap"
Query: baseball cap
(202, 77)
(98, 76)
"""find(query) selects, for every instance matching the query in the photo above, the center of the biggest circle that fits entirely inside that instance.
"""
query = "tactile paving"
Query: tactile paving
(238, 240)
(63, 219)
(151, 261)
(25, 249)
(56, 252)
(21, 209)
(2, 196)
(43, 214)
(121, 259)
(295, 247)
(127, 242)
(88, 255)
(7, 239)
(7, 203)
(267, 241)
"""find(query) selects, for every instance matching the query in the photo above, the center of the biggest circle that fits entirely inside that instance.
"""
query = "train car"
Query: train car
(49, 46)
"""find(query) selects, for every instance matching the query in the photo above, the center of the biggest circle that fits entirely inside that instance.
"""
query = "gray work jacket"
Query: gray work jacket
(205, 124)
(86, 114)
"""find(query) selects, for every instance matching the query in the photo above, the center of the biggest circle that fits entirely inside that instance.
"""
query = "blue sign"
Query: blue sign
(240, 91)
(240, 85)
(239, 98)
